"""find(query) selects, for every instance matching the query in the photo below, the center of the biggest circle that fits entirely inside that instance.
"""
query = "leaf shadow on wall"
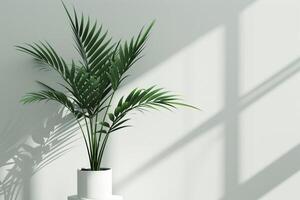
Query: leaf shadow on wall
(23, 155)
(192, 20)
(21, 160)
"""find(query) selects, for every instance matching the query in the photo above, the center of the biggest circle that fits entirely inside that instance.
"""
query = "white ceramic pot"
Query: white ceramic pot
(94, 184)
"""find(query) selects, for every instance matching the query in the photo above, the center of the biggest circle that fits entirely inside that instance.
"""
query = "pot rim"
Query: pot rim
(103, 169)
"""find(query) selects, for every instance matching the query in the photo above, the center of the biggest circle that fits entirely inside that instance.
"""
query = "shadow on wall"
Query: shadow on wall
(264, 181)
(184, 22)
(268, 178)
(274, 174)
(178, 23)
(21, 158)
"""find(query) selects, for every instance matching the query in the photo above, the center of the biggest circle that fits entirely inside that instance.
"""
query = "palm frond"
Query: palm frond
(141, 99)
(92, 81)
(147, 98)
(92, 42)
(45, 54)
(130, 52)
(126, 55)
(49, 94)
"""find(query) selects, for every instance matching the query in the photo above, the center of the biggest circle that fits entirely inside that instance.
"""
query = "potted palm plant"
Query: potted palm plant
(89, 86)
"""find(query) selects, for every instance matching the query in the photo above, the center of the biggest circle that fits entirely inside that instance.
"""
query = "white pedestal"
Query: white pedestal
(113, 197)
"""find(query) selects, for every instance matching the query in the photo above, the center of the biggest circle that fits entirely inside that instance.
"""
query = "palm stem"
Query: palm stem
(85, 141)
(93, 141)
(92, 83)
(89, 137)
(104, 143)
(95, 132)
(100, 135)
(102, 149)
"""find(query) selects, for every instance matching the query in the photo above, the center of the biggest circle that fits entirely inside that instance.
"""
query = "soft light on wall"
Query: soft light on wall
(238, 60)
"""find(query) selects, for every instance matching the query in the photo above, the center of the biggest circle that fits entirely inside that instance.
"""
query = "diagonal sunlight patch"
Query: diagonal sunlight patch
(245, 101)
(270, 123)
(270, 177)
(189, 72)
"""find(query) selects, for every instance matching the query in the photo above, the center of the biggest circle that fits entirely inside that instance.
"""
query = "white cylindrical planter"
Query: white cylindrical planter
(94, 184)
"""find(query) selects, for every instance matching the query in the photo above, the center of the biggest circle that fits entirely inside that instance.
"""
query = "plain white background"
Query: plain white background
(238, 60)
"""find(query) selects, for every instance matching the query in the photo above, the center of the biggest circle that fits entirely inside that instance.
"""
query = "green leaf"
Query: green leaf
(47, 95)
(105, 124)
(91, 81)
(102, 131)
(121, 127)
(89, 41)
(120, 123)
(111, 116)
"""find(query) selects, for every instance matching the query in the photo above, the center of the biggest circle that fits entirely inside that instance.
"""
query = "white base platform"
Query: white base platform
(113, 197)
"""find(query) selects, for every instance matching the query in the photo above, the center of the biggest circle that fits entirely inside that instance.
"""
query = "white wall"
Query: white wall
(238, 60)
